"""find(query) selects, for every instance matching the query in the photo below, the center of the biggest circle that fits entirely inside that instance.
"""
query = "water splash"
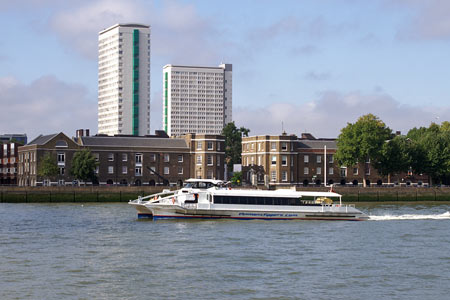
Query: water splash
(443, 216)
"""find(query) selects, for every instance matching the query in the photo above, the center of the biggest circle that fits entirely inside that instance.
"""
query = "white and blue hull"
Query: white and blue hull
(249, 212)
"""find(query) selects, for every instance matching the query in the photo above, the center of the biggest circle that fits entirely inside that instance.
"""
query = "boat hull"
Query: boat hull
(279, 213)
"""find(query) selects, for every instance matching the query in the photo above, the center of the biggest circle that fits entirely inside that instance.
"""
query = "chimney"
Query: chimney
(80, 133)
(87, 132)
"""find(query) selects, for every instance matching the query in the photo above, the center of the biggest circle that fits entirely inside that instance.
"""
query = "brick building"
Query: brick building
(9, 163)
(289, 160)
(127, 160)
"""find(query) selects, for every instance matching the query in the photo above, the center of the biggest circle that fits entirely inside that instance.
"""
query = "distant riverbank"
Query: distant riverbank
(126, 193)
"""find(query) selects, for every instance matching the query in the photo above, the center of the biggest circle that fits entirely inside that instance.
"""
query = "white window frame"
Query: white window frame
(306, 158)
(305, 170)
(284, 160)
(273, 160)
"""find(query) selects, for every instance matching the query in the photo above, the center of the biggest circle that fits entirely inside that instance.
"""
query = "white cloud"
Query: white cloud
(326, 116)
(179, 33)
(78, 28)
(47, 105)
(430, 19)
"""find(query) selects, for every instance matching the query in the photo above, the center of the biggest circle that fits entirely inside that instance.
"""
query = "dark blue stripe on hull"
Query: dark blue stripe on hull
(145, 216)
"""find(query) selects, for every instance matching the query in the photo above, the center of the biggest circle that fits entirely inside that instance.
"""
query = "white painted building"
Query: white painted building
(124, 80)
(196, 99)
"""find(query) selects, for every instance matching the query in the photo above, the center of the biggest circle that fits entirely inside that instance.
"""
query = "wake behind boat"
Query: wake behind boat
(211, 199)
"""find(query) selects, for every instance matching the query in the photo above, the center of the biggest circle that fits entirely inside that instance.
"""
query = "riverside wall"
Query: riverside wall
(126, 193)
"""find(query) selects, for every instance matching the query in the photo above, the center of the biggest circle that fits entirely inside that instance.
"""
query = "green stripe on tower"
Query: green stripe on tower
(135, 72)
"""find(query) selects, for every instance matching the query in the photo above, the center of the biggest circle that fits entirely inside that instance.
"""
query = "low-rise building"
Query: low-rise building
(126, 160)
(9, 163)
(289, 160)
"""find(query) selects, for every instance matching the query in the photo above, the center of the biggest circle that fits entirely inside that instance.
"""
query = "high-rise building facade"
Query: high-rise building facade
(124, 80)
(196, 99)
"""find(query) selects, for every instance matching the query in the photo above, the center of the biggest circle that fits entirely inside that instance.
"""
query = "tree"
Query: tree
(237, 178)
(361, 142)
(48, 167)
(233, 143)
(430, 151)
(84, 165)
(394, 157)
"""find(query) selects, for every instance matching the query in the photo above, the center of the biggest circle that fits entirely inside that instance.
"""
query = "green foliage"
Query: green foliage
(48, 167)
(237, 178)
(233, 143)
(394, 156)
(83, 165)
(430, 151)
(362, 141)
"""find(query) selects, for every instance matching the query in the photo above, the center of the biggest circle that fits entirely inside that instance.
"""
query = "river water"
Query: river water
(101, 251)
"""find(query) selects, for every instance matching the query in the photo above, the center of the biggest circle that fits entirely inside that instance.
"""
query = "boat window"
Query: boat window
(234, 200)
(268, 201)
(251, 200)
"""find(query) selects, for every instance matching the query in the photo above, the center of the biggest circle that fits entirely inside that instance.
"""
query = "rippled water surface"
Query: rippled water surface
(101, 251)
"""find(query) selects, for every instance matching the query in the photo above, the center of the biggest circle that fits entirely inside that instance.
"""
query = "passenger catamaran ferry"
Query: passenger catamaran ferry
(211, 199)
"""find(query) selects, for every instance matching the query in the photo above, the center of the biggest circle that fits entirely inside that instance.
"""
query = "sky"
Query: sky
(298, 66)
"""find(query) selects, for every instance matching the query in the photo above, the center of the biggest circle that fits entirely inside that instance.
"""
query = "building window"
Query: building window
(138, 158)
(199, 159)
(110, 170)
(153, 157)
(210, 146)
(199, 145)
(331, 159)
(367, 170)
(180, 158)
(218, 160)
(273, 146)
(97, 169)
(209, 160)
(319, 159)
(274, 160)
(259, 146)
(96, 156)
(273, 176)
(306, 170)
(61, 171)
(166, 157)
(210, 174)
(319, 170)
(180, 170)
(330, 171)
(138, 171)
(306, 158)
(283, 146)
(61, 158)
(124, 157)
(218, 146)
(124, 170)
(259, 160)
(110, 156)
(284, 176)
(355, 171)
(284, 160)
(166, 170)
